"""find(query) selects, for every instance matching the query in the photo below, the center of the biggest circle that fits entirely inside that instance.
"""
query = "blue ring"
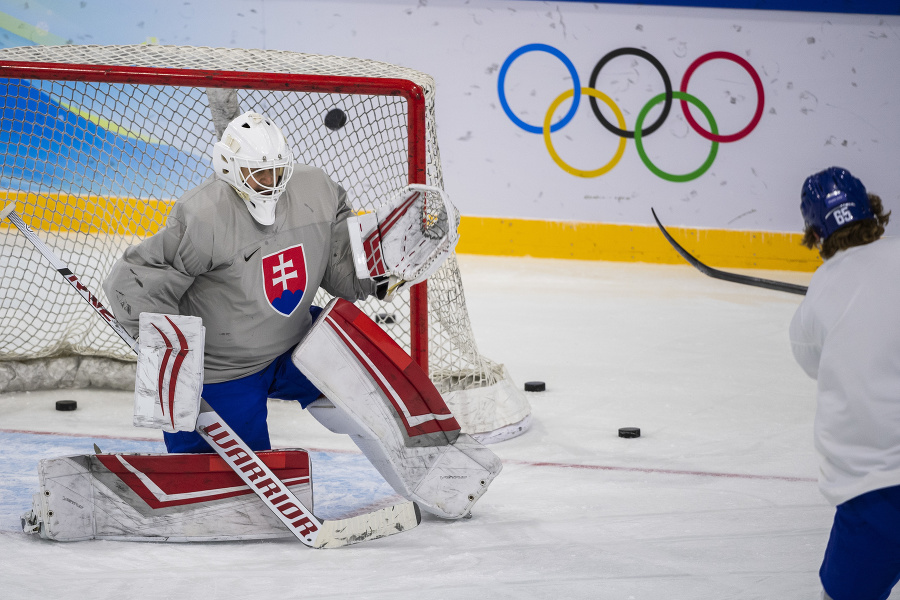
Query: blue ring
(502, 79)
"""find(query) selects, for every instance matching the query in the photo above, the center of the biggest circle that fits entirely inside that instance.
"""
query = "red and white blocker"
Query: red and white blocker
(385, 402)
(169, 374)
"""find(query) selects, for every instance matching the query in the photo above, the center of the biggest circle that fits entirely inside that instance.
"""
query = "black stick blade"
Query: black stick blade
(780, 286)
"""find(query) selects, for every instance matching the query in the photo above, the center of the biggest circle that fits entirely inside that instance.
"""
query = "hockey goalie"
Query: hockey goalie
(221, 298)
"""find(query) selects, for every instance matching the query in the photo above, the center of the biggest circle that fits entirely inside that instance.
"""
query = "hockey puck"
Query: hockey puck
(629, 432)
(535, 386)
(335, 119)
(66, 405)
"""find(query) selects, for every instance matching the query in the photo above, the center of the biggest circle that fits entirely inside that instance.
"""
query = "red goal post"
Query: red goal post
(97, 141)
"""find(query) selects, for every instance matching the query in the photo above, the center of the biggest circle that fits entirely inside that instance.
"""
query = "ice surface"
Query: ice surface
(716, 500)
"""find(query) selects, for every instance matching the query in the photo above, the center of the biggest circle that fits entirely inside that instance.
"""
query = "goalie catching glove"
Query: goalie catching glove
(405, 240)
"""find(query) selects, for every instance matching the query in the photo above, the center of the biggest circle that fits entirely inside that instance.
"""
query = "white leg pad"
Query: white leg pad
(393, 413)
(159, 497)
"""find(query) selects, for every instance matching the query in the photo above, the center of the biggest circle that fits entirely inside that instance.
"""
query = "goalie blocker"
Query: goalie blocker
(169, 374)
(385, 402)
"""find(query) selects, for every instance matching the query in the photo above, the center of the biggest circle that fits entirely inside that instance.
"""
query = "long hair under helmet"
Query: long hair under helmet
(251, 145)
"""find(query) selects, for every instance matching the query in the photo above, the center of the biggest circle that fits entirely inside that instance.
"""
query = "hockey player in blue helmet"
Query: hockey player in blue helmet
(832, 200)
(844, 335)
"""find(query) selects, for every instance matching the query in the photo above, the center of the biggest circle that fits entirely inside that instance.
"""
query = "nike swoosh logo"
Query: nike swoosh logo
(249, 256)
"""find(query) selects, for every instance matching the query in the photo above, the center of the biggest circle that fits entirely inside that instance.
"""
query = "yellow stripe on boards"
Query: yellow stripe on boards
(634, 243)
(478, 235)
(88, 214)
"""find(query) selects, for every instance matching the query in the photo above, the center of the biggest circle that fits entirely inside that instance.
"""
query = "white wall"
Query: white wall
(831, 93)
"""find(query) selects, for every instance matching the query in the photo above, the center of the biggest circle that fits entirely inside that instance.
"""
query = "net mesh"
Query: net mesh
(94, 166)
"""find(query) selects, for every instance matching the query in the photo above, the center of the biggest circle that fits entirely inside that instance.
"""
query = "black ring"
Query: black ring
(665, 77)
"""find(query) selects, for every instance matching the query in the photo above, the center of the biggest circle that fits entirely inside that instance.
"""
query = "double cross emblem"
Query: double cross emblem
(284, 277)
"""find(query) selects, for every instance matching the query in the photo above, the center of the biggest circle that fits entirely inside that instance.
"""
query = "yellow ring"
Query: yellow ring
(562, 164)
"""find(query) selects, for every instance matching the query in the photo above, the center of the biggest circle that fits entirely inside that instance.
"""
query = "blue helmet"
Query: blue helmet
(831, 199)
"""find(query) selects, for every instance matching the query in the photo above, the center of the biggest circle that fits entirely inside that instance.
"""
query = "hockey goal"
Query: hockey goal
(96, 142)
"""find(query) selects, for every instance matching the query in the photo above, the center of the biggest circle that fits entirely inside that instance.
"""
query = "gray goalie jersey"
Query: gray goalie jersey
(251, 284)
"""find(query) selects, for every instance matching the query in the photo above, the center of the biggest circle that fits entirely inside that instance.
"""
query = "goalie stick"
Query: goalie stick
(309, 529)
(780, 286)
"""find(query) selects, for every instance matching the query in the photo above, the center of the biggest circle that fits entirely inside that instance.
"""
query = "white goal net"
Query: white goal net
(96, 142)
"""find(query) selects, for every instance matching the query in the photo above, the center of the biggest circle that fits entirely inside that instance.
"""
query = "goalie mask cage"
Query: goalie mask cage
(96, 142)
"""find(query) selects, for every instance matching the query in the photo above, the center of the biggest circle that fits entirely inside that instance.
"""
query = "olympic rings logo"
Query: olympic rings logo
(712, 133)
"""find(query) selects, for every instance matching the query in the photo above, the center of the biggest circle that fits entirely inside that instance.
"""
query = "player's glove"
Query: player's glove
(405, 240)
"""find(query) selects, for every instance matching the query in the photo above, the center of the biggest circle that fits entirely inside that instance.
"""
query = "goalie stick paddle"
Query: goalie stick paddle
(309, 529)
(780, 286)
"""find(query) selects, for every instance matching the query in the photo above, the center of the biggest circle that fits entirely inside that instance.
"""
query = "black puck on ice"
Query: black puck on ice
(66, 405)
(535, 386)
(629, 432)
(335, 119)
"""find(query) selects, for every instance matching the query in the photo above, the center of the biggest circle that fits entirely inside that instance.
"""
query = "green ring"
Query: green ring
(640, 146)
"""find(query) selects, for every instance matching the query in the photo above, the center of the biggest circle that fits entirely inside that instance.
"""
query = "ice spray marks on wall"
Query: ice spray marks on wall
(640, 129)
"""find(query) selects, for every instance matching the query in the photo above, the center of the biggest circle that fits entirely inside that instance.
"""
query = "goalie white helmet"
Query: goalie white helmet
(255, 159)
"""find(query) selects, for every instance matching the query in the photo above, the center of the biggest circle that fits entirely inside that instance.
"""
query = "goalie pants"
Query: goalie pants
(242, 402)
(862, 560)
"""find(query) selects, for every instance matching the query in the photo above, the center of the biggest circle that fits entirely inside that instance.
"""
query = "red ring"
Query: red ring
(761, 97)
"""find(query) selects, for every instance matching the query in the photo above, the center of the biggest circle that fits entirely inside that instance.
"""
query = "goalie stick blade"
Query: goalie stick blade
(370, 526)
(780, 286)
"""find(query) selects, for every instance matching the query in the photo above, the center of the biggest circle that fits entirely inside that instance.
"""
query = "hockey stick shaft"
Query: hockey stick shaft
(780, 286)
(290, 510)
(256, 475)
(68, 275)
(246, 464)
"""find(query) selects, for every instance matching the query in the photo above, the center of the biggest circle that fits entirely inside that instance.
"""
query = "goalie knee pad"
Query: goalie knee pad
(385, 402)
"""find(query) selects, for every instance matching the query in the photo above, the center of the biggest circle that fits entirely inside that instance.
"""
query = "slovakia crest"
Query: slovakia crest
(284, 275)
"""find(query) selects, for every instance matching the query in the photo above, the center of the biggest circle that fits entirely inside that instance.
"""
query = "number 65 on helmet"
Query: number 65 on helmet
(832, 199)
